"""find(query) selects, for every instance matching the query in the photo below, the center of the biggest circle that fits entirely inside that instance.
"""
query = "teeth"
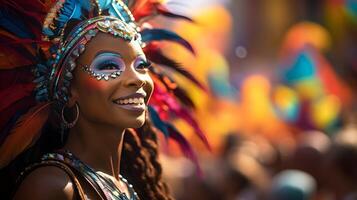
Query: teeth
(131, 101)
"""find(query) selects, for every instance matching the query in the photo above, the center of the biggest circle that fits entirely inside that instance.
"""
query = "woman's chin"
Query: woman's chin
(138, 124)
(135, 123)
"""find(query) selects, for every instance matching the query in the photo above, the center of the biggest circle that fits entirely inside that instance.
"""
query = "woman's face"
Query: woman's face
(120, 101)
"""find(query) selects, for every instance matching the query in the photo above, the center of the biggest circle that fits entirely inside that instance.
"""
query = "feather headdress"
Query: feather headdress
(32, 34)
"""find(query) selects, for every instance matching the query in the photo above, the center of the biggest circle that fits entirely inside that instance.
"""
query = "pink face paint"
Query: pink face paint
(94, 85)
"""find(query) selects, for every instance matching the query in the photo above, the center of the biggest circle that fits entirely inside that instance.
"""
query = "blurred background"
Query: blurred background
(280, 112)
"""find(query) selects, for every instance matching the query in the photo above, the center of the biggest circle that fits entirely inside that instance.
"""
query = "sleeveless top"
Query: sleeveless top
(65, 160)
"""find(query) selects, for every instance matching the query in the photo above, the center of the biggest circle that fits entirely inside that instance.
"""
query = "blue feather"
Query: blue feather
(104, 4)
(158, 123)
(149, 35)
(85, 4)
(126, 2)
(71, 9)
(14, 24)
(118, 11)
(157, 57)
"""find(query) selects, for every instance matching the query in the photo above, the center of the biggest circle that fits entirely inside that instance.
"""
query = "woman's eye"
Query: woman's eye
(143, 65)
(109, 67)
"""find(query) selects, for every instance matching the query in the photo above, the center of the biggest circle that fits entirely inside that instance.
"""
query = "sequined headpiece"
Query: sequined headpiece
(53, 83)
(37, 57)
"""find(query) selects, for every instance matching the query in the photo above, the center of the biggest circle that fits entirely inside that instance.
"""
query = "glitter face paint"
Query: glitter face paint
(107, 62)
(109, 65)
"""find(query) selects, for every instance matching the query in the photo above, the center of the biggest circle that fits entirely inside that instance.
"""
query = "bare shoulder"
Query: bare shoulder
(44, 183)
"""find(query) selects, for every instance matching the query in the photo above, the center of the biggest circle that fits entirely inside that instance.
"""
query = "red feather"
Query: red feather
(16, 51)
(148, 8)
(142, 8)
(26, 131)
(19, 75)
(14, 93)
(6, 114)
(166, 100)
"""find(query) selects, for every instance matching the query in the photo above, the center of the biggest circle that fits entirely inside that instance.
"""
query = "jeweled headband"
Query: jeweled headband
(53, 77)
(54, 84)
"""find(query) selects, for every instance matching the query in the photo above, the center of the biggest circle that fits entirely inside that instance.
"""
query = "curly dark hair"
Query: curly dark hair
(140, 163)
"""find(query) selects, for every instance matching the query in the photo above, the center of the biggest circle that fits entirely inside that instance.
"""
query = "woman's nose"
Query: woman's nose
(134, 78)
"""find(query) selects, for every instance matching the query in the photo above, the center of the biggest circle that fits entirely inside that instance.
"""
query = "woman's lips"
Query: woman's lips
(133, 102)
(133, 107)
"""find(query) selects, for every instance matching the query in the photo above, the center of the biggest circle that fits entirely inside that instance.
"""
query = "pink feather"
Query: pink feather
(166, 100)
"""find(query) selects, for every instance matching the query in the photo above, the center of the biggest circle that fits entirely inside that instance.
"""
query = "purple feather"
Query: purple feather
(184, 145)
(178, 110)
(178, 92)
(183, 97)
(184, 114)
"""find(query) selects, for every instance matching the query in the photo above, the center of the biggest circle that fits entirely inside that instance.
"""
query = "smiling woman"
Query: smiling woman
(122, 98)
(76, 122)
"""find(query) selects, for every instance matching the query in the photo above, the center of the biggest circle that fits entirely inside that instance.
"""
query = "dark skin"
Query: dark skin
(97, 137)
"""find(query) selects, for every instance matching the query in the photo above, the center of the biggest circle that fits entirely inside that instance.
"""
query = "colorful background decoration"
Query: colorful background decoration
(281, 77)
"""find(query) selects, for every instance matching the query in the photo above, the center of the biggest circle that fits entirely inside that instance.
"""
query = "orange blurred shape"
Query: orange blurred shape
(255, 98)
(306, 33)
(257, 113)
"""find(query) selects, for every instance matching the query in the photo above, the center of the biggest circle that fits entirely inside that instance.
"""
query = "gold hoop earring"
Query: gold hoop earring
(67, 124)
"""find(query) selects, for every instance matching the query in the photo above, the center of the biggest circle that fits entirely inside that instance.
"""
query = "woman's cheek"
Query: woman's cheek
(93, 85)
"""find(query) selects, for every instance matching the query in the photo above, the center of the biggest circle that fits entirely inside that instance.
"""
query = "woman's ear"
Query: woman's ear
(73, 89)
(73, 97)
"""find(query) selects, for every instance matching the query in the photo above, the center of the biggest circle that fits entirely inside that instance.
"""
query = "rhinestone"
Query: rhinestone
(107, 23)
(88, 36)
(119, 25)
(72, 65)
(91, 32)
(75, 53)
(81, 48)
(69, 75)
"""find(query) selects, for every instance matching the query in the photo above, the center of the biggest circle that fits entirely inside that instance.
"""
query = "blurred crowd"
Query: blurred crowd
(280, 112)
(252, 168)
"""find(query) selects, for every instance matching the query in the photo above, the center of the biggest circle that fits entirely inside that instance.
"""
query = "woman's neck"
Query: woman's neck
(98, 145)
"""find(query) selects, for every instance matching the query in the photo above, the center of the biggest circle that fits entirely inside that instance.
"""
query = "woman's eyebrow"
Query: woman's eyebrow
(108, 52)
(141, 56)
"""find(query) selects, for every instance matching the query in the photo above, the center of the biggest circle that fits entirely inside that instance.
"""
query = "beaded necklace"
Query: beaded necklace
(95, 179)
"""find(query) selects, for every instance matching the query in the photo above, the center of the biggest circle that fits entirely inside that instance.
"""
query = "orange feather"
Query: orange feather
(24, 134)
